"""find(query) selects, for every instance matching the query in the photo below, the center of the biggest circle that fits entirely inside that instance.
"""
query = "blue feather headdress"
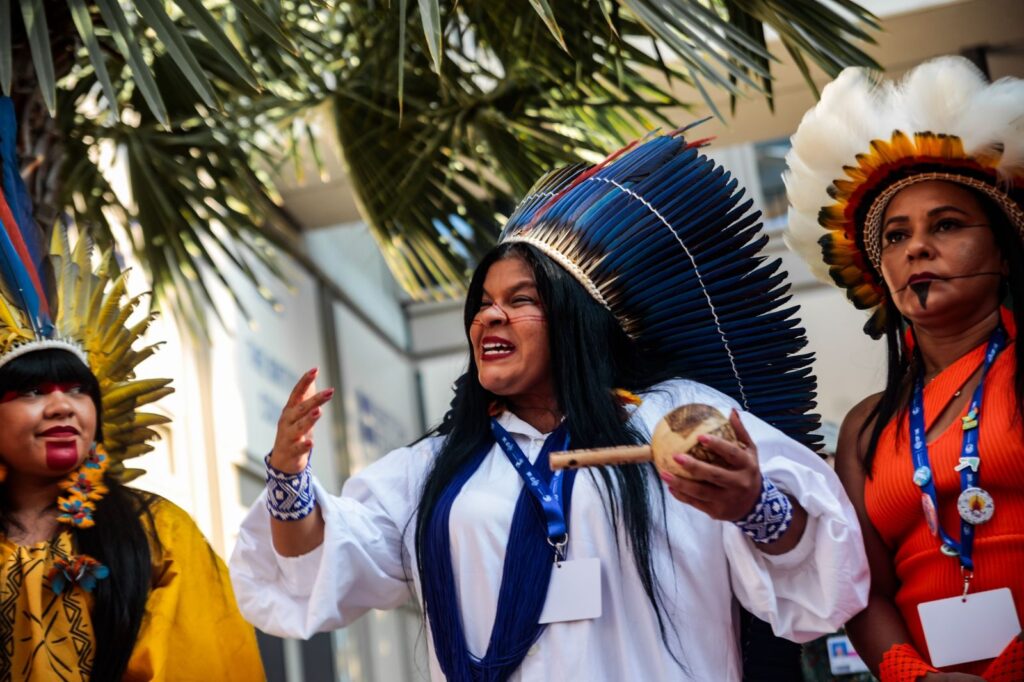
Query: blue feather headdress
(659, 235)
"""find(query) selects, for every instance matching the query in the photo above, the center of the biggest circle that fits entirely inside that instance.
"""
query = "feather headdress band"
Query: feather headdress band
(661, 236)
(867, 140)
(83, 312)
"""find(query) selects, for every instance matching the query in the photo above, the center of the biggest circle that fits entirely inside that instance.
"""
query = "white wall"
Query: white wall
(348, 254)
(379, 391)
(229, 391)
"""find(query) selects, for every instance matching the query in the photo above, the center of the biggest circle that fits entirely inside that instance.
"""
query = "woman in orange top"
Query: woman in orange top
(926, 230)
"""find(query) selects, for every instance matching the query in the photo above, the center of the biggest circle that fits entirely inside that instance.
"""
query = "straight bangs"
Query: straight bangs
(50, 365)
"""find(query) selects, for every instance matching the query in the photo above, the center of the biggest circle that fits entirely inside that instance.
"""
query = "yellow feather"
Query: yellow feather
(91, 308)
(131, 390)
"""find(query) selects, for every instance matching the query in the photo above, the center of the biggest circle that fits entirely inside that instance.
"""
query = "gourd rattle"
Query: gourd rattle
(674, 433)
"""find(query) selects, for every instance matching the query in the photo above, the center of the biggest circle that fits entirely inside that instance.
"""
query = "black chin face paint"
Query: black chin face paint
(921, 289)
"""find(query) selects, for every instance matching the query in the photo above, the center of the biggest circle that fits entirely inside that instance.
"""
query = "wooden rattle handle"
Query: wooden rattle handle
(627, 454)
(677, 432)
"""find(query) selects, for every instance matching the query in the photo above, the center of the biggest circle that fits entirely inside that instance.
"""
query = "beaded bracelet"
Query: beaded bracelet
(902, 663)
(290, 497)
(770, 517)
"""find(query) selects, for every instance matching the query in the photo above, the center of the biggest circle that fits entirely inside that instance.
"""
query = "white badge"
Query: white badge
(842, 658)
(959, 631)
(574, 592)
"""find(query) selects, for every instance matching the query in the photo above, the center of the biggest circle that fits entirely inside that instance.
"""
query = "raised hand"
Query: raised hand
(728, 492)
(294, 439)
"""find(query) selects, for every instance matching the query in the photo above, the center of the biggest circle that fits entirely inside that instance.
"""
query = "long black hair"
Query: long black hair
(118, 540)
(904, 366)
(590, 357)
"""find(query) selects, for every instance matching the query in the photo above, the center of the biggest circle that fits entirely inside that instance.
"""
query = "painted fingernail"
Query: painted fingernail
(317, 412)
(703, 439)
(682, 459)
(329, 392)
(667, 477)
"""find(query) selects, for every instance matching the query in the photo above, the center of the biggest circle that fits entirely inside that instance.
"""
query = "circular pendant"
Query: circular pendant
(931, 517)
(948, 551)
(922, 475)
(975, 506)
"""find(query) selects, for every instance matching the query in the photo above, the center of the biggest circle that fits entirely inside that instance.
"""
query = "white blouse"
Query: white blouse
(702, 568)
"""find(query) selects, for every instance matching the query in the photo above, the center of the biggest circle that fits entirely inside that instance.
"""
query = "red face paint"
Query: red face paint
(44, 388)
(62, 455)
(516, 320)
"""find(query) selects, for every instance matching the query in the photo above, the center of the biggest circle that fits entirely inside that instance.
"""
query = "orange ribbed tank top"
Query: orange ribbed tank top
(893, 501)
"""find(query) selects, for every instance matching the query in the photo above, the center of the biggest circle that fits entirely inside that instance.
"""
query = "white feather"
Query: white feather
(947, 95)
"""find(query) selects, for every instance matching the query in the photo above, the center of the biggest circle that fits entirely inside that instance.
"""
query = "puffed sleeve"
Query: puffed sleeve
(814, 588)
(822, 582)
(360, 565)
(192, 628)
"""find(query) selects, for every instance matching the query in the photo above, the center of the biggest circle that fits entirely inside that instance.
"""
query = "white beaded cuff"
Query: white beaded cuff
(290, 497)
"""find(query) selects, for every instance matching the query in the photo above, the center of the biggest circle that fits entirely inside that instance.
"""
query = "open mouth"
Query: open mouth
(492, 348)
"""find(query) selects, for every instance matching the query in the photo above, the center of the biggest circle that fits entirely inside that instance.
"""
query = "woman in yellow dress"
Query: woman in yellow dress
(98, 581)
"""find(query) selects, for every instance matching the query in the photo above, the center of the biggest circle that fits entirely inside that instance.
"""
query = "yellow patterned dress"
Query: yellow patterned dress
(191, 630)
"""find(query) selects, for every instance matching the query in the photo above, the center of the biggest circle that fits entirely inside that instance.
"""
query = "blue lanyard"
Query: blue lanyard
(549, 495)
(970, 459)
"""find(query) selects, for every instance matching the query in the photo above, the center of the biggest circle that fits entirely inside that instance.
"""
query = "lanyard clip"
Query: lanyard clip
(559, 546)
(968, 576)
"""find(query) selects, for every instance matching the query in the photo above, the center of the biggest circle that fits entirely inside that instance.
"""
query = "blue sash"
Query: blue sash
(524, 580)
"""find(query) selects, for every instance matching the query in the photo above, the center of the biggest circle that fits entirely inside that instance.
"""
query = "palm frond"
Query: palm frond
(440, 145)
(126, 33)
(446, 111)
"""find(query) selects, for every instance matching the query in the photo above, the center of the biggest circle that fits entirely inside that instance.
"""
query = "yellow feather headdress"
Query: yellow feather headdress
(90, 318)
(867, 139)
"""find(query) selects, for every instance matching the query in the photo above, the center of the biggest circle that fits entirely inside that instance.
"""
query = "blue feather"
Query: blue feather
(20, 267)
(20, 284)
(669, 238)
(14, 187)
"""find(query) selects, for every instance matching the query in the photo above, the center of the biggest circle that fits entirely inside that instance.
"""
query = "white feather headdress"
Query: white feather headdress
(867, 139)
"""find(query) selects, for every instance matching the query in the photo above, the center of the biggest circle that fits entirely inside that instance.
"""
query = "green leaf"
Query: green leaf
(83, 22)
(156, 16)
(124, 38)
(34, 15)
(269, 26)
(207, 25)
(801, 64)
(606, 12)
(403, 13)
(314, 148)
(544, 10)
(430, 13)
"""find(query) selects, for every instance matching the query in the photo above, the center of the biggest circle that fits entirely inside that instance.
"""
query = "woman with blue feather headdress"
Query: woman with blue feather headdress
(616, 293)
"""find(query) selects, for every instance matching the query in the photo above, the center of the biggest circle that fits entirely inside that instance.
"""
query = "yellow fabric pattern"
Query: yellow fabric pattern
(192, 629)
(44, 636)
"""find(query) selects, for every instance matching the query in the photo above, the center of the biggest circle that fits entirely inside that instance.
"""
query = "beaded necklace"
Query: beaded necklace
(84, 488)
